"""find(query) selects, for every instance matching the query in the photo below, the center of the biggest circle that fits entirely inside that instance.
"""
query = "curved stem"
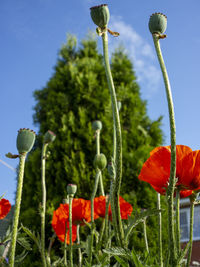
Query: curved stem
(191, 233)
(116, 119)
(17, 209)
(43, 211)
(172, 180)
(70, 231)
(159, 231)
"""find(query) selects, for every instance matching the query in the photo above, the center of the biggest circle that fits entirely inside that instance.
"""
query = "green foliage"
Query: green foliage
(76, 95)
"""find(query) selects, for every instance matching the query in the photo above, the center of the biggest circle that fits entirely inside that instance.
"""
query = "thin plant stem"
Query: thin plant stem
(52, 240)
(98, 152)
(178, 247)
(43, 211)
(191, 233)
(22, 158)
(116, 120)
(145, 236)
(159, 231)
(70, 231)
(65, 245)
(92, 213)
(172, 180)
(79, 249)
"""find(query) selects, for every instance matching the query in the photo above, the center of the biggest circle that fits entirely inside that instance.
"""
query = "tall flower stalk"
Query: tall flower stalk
(159, 231)
(157, 26)
(25, 142)
(48, 138)
(100, 16)
(71, 190)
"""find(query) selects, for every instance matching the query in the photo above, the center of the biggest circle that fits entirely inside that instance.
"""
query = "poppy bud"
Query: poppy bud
(49, 137)
(25, 140)
(100, 15)
(100, 161)
(157, 23)
(71, 189)
(97, 125)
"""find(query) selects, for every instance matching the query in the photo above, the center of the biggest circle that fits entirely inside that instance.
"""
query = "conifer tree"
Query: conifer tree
(77, 94)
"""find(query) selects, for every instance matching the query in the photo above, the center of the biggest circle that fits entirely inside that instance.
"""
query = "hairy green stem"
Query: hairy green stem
(191, 233)
(92, 213)
(145, 236)
(178, 247)
(65, 244)
(172, 180)
(79, 249)
(116, 119)
(159, 231)
(22, 158)
(43, 210)
(70, 231)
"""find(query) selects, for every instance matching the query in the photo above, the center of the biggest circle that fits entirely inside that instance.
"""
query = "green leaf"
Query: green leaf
(32, 236)
(136, 259)
(118, 251)
(133, 222)
(122, 262)
(19, 258)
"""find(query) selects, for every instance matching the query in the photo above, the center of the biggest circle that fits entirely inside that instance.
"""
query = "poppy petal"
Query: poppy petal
(5, 207)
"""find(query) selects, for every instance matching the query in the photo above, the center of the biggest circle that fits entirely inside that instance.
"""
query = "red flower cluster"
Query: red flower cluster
(81, 212)
(5, 207)
(156, 170)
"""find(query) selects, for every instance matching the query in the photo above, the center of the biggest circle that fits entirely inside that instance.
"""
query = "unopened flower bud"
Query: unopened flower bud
(157, 23)
(49, 137)
(100, 161)
(96, 125)
(71, 189)
(100, 15)
(25, 140)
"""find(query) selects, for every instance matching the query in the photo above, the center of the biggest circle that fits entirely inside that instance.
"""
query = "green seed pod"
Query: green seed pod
(49, 137)
(100, 15)
(25, 140)
(157, 23)
(100, 161)
(97, 125)
(71, 189)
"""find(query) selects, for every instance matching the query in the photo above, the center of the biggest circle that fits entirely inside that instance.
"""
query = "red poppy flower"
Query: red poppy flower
(100, 207)
(5, 207)
(81, 211)
(156, 170)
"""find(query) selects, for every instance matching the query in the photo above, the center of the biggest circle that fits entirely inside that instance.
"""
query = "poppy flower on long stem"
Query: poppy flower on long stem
(81, 212)
(100, 207)
(5, 207)
(156, 170)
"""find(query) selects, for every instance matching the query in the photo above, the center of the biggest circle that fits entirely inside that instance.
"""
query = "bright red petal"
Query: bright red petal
(5, 207)
(156, 170)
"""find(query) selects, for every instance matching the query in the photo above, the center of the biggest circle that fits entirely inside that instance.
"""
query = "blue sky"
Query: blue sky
(32, 33)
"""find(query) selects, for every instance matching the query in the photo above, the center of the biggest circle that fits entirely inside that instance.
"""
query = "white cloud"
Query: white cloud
(142, 54)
